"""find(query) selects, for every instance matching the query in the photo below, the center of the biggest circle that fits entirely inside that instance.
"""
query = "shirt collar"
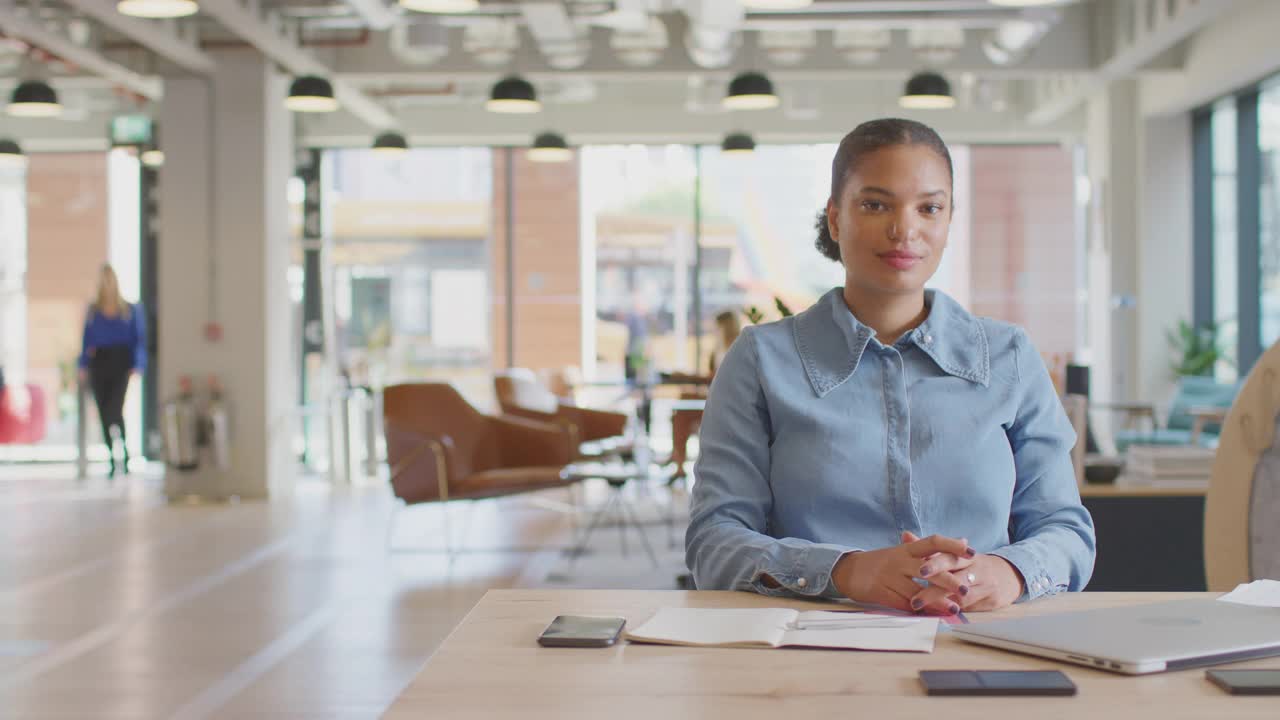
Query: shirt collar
(831, 341)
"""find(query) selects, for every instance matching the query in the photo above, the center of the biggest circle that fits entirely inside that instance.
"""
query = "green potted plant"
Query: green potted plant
(1196, 349)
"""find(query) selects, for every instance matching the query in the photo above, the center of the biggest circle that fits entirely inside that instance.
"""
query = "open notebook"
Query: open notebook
(780, 627)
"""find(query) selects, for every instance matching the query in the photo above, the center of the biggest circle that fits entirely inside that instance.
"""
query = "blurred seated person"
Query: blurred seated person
(684, 422)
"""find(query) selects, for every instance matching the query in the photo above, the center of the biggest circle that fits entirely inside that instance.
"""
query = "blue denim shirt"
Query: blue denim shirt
(818, 440)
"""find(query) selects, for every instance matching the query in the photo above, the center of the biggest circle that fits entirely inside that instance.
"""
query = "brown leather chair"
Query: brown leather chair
(440, 448)
(521, 395)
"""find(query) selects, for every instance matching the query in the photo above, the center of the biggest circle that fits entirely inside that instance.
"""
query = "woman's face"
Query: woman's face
(892, 218)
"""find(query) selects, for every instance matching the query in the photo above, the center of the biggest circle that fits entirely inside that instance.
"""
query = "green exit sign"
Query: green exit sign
(130, 130)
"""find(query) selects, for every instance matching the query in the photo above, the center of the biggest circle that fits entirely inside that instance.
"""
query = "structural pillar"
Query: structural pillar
(223, 305)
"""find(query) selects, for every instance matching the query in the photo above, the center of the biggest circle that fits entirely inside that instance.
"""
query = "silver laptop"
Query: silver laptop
(1140, 639)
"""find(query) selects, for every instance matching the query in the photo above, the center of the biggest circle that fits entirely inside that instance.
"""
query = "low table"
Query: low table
(617, 476)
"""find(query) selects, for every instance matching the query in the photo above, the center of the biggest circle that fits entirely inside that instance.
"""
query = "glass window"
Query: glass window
(1269, 222)
(638, 209)
(409, 263)
(1225, 237)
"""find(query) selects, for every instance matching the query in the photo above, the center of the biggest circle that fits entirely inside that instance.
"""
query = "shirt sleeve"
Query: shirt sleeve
(86, 340)
(1051, 533)
(139, 338)
(728, 546)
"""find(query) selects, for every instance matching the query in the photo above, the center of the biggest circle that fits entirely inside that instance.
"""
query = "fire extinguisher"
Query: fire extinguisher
(181, 429)
(216, 426)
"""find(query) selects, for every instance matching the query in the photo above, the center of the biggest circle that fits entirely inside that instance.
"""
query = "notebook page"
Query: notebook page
(710, 626)
(862, 631)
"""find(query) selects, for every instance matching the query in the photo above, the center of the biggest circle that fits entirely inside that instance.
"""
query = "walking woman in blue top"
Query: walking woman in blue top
(114, 349)
(833, 441)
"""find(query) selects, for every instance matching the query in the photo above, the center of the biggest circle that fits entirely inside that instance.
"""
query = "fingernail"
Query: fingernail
(917, 603)
(970, 552)
(954, 609)
(925, 571)
(964, 589)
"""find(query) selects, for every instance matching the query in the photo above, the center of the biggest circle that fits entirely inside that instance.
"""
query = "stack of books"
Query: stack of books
(1168, 463)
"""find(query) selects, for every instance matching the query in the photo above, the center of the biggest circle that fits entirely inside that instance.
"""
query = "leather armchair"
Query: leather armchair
(441, 448)
(521, 395)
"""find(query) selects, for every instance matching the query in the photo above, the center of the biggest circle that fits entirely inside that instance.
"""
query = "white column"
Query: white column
(223, 258)
(1164, 273)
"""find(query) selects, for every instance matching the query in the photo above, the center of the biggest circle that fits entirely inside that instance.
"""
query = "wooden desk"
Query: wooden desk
(491, 667)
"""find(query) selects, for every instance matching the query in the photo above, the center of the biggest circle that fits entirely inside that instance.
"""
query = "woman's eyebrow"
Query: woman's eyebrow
(875, 190)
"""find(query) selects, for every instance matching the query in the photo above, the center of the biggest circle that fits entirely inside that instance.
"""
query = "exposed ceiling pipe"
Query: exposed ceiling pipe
(712, 38)
(563, 43)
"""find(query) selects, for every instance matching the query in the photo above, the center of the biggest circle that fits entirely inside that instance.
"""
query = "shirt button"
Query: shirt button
(928, 339)
(802, 582)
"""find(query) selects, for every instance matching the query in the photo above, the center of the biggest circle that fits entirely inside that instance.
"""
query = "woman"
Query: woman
(114, 348)
(834, 440)
(684, 423)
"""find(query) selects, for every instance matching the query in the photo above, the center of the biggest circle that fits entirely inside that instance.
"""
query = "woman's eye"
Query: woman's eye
(873, 205)
(932, 209)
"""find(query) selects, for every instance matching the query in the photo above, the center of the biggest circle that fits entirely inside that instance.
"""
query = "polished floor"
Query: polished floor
(115, 605)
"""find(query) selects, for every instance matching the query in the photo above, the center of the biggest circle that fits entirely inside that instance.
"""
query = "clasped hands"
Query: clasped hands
(956, 577)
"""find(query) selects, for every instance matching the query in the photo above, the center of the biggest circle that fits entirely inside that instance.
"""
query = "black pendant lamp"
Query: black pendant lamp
(449, 7)
(11, 154)
(750, 91)
(391, 143)
(311, 93)
(927, 91)
(738, 144)
(513, 94)
(34, 98)
(157, 9)
(550, 147)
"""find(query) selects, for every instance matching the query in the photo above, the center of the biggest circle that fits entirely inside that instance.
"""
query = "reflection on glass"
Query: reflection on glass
(409, 264)
(1225, 242)
(758, 214)
(638, 202)
(1269, 260)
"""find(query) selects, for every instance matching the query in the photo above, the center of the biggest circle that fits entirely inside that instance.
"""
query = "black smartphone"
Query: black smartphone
(582, 631)
(1246, 682)
(996, 682)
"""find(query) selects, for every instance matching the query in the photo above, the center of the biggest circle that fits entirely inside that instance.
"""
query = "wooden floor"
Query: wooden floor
(114, 605)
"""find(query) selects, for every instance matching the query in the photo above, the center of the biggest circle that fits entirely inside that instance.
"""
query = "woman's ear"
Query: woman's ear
(833, 220)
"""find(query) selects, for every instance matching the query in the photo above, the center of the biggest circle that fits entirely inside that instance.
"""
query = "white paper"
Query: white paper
(780, 627)
(1259, 593)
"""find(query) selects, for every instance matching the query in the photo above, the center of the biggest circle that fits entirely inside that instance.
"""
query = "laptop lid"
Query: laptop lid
(1140, 638)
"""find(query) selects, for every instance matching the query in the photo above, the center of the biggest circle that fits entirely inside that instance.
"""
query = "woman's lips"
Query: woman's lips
(900, 260)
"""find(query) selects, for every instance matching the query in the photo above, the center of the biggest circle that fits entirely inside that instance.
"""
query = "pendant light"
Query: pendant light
(750, 91)
(11, 154)
(776, 4)
(157, 9)
(738, 144)
(152, 157)
(311, 93)
(550, 147)
(927, 91)
(390, 143)
(34, 98)
(513, 95)
(441, 6)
